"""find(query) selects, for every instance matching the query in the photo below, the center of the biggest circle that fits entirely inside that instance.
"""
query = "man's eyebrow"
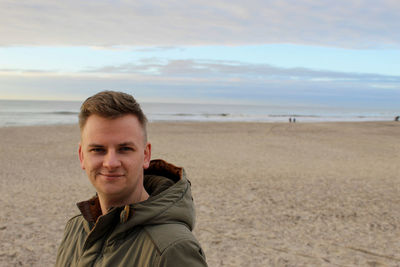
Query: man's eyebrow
(122, 144)
(128, 144)
(94, 145)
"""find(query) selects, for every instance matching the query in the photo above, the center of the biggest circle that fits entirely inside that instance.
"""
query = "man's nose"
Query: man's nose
(111, 160)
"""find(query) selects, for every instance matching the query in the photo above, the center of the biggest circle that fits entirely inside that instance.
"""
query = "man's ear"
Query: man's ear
(81, 156)
(147, 156)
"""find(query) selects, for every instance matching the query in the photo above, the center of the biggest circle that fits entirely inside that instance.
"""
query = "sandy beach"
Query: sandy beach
(267, 194)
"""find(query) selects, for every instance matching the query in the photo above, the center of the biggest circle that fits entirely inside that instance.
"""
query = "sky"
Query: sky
(296, 52)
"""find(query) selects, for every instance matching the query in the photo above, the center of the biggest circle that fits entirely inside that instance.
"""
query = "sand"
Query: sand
(267, 194)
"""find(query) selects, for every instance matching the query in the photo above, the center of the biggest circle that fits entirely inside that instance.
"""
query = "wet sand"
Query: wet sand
(267, 194)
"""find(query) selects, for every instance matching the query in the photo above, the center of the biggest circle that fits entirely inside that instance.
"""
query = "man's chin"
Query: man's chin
(111, 192)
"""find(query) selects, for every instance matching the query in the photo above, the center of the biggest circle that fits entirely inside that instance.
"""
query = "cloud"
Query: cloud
(236, 71)
(105, 23)
(214, 81)
(159, 48)
(211, 91)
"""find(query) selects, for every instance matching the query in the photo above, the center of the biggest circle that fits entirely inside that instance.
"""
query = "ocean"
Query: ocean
(26, 112)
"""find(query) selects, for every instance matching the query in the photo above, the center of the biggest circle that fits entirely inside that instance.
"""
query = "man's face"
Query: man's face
(113, 153)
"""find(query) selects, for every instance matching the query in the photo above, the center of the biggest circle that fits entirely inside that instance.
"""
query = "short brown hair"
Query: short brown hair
(111, 104)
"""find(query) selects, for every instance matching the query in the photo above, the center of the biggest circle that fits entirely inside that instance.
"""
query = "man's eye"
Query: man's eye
(97, 150)
(126, 148)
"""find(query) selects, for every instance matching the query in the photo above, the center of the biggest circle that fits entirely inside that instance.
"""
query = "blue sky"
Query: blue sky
(291, 52)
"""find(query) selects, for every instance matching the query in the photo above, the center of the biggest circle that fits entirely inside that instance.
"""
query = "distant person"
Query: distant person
(294, 120)
(290, 120)
(397, 118)
(143, 211)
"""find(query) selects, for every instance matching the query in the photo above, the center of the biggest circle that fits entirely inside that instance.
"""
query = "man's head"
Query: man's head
(111, 105)
(113, 149)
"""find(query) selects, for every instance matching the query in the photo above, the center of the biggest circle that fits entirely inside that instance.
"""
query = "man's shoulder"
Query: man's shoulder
(167, 235)
(75, 223)
(75, 219)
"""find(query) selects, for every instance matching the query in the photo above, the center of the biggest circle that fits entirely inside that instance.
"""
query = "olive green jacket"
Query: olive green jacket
(155, 232)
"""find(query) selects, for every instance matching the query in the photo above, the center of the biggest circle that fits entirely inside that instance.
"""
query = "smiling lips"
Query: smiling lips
(111, 176)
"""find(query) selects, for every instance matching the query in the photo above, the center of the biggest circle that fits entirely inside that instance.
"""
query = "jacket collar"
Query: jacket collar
(91, 209)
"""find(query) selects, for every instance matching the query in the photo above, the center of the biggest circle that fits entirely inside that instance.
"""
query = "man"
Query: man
(143, 212)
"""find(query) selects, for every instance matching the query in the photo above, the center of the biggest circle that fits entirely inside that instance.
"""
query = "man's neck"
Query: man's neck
(107, 203)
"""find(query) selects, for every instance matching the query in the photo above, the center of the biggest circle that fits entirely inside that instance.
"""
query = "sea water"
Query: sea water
(26, 112)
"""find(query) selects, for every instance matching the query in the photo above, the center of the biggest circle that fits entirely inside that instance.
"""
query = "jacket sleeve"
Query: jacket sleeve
(183, 253)
(61, 254)
(69, 244)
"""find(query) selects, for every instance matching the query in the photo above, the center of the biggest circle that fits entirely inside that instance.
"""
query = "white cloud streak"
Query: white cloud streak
(211, 70)
(228, 70)
(340, 23)
(211, 80)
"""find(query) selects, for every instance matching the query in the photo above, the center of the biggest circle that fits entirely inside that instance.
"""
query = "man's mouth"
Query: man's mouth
(111, 175)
